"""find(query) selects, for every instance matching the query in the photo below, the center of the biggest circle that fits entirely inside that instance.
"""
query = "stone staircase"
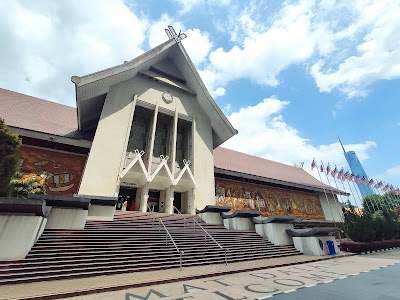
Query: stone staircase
(135, 242)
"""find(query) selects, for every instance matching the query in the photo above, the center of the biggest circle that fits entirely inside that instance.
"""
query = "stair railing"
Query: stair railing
(184, 219)
(211, 237)
(173, 242)
(151, 213)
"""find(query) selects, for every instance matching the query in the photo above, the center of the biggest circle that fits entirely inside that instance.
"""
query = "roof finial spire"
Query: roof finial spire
(344, 151)
(172, 34)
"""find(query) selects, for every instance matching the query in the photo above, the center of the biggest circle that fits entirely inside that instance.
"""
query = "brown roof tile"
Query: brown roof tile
(27, 112)
(231, 160)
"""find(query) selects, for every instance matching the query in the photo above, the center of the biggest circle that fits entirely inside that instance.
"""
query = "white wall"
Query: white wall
(331, 207)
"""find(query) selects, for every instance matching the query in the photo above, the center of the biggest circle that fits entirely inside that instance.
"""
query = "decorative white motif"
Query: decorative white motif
(167, 97)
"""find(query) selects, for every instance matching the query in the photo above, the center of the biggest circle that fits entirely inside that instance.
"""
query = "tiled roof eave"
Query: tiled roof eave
(275, 181)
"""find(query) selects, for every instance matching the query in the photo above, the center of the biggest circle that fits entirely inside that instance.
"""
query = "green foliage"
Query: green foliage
(377, 226)
(22, 185)
(375, 202)
(9, 159)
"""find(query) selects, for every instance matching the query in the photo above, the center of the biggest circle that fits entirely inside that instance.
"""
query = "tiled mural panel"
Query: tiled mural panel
(63, 171)
(270, 201)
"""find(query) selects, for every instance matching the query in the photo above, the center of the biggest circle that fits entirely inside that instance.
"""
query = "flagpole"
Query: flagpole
(373, 202)
(391, 204)
(386, 203)
(348, 196)
(333, 195)
(326, 196)
(394, 200)
(361, 199)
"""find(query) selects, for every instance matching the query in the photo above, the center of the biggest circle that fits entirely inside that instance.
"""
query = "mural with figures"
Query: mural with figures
(270, 201)
(62, 171)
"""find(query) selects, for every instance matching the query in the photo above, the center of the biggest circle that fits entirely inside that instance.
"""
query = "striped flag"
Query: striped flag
(313, 164)
(351, 177)
(378, 185)
(340, 174)
(334, 172)
(345, 176)
(385, 188)
(363, 180)
(322, 168)
(357, 178)
(370, 182)
(328, 169)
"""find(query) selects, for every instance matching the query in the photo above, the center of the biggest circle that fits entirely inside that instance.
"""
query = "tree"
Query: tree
(9, 159)
(22, 185)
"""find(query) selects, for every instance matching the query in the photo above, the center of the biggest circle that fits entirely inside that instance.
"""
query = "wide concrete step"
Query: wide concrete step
(127, 268)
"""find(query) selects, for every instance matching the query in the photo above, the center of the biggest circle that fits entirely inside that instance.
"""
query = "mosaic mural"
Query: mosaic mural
(62, 171)
(270, 201)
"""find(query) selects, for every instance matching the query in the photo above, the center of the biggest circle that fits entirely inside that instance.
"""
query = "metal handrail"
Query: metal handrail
(173, 242)
(215, 241)
(184, 219)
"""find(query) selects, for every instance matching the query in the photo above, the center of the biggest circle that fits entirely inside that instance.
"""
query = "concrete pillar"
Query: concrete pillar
(173, 137)
(114, 125)
(151, 140)
(190, 202)
(169, 200)
(143, 197)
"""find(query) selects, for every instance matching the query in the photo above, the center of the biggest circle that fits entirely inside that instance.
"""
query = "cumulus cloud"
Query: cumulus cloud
(264, 132)
(49, 41)
(394, 171)
(198, 45)
(346, 45)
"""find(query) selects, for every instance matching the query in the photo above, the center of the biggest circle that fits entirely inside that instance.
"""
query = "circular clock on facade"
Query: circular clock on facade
(167, 97)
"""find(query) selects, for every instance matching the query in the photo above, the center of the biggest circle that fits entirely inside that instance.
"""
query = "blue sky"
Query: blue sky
(290, 75)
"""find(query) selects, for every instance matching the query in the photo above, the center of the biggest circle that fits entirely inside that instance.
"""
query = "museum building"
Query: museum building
(149, 132)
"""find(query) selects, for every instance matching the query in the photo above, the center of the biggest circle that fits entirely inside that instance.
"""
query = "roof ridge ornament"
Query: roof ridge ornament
(172, 34)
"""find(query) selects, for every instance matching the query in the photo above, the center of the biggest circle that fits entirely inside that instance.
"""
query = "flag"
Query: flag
(385, 188)
(334, 172)
(378, 185)
(328, 169)
(363, 180)
(322, 168)
(392, 189)
(313, 164)
(345, 176)
(340, 174)
(370, 182)
(357, 178)
(351, 177)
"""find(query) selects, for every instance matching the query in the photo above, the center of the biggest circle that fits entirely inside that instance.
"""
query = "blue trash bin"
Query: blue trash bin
(331, 247)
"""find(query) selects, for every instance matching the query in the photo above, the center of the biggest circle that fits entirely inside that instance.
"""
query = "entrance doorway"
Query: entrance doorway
(178, 201)
(127, 195)
(154, 200)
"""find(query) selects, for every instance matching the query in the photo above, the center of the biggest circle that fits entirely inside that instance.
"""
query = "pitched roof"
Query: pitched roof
(91, 89)
(241, 163)
(27, 112)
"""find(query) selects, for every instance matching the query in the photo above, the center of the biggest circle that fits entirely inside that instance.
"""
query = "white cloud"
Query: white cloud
(198, 44)
(45, 43)
(346, 45)
(394, 171)
(263, 55)
(189, 5)
(374, 56)
(263, 132)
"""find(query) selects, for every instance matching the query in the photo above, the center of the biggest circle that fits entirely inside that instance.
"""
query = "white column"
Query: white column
(169, 200)
(173, 143)
(144, 196)
(151, 140)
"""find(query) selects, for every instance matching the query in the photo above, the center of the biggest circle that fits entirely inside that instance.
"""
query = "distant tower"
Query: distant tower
(357, 169)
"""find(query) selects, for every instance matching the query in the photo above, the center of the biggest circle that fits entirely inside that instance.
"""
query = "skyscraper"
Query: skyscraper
(357, 169)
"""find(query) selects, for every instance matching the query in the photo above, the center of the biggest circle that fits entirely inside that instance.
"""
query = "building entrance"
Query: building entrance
(126, 199)
(178, 201)
(154, 200)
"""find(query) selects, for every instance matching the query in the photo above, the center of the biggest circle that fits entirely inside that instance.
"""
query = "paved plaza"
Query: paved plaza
(372, 276)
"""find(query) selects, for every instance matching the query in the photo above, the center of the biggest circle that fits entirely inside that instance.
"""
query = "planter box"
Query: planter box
(360, 247)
